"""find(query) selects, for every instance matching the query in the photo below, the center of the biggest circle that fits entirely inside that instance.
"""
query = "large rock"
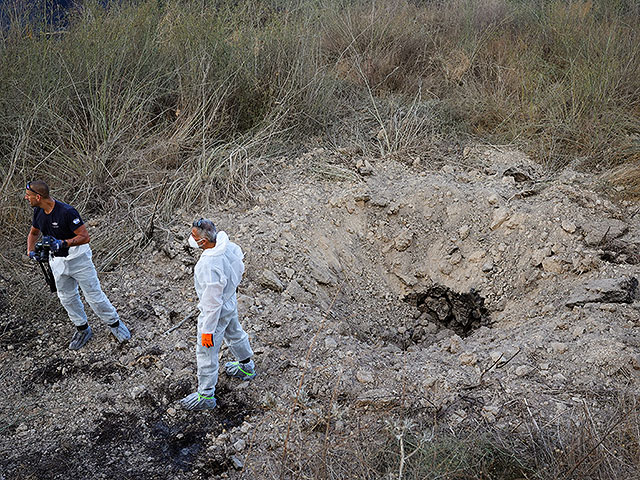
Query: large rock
(597, 233)
(403, 240)
(321, 272)
(539, 255)
(296, 292)
(270, 280)
(500, 216)
(605, 290)
(553, 265)
(364, 376)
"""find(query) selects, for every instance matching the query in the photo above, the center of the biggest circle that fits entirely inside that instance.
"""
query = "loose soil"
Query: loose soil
(371, 296)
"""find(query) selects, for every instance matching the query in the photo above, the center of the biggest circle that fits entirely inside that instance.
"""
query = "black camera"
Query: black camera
(43, 250)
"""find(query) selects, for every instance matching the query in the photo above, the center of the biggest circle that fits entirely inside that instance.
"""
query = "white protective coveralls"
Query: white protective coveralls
(75, 270)
(217, 276)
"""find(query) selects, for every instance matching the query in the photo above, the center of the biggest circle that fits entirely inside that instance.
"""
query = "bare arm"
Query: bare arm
(82, 237)
(32, 238)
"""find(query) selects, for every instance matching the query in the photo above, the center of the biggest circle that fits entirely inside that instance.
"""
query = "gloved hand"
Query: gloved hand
(33, 255)
(207, 340)
(56, 245)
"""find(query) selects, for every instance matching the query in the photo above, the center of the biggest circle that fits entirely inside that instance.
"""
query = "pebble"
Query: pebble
(403, 241)
(500, 216)
(508, 180)
(577, 330)
(523, 370)
(455, 344)
(239, 445)
(429, 382)
(496, 355)
(468, 358)
(271, 281)
(476, 256)
(493, 199)
(376, 398)
(330, 343)
(487, 266)
(569, 227)
(558, 377)
(364, 376)
(558, 347)
(553, 265)
(137, 391)
(539, 255)
(489, 412)
(238, 464)
(608, 307)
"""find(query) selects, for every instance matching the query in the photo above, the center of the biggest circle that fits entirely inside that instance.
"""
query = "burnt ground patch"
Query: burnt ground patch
(15, 331)
(145, 444)
(57, 369)
(166, 444)
(103, 372)
(51, 372)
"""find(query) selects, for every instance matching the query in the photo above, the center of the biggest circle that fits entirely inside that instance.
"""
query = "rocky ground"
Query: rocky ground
(481, 295)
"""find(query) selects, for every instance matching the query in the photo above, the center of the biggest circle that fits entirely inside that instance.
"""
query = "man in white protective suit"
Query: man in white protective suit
(64, 232)
(216, 278)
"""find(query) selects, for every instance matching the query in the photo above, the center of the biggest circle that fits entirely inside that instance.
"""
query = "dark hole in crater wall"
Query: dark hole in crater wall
(619, 252)
(460, 312)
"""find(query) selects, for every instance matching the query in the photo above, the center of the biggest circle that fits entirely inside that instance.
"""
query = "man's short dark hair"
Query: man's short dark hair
(39, 187)
(206, 229)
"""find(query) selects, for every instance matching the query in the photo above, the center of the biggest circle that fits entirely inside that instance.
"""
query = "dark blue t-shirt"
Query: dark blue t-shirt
(60, 223)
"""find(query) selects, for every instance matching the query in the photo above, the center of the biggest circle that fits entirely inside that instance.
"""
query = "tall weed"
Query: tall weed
(177, 99)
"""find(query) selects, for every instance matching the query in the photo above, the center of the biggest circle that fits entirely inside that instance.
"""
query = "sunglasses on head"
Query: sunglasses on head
(32, 190)
(199, 223)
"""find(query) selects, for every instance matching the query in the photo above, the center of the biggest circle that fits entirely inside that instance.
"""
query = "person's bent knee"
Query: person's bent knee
(67, 297)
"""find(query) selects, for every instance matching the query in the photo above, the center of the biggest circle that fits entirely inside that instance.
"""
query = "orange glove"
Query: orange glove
(207, 339)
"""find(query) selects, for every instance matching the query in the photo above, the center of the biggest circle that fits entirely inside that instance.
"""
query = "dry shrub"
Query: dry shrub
(625, 180)
(383, 47)
(223, 85)
(559, 78)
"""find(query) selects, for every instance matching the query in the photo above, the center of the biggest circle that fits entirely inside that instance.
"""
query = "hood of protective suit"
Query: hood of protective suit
(222, 242)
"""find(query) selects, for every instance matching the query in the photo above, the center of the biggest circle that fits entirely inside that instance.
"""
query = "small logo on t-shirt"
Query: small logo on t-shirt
(76, 221)
(54, 224)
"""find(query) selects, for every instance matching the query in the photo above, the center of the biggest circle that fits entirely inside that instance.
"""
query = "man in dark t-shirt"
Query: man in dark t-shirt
(71, 263)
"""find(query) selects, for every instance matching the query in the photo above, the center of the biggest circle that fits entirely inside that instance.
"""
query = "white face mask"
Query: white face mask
(192, 242)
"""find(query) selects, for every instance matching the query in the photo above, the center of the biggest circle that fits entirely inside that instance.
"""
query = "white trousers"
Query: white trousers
(231, 332)
(75, 271)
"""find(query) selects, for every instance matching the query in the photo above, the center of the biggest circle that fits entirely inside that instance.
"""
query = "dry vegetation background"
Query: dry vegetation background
(136, 110)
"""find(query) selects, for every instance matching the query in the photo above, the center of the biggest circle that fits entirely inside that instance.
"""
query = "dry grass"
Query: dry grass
(625, 180)
(149, 106)
(598, 439)
(122, 99)
(560, 79)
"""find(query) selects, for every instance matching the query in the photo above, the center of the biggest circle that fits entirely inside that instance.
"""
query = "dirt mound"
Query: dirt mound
(369, 293)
